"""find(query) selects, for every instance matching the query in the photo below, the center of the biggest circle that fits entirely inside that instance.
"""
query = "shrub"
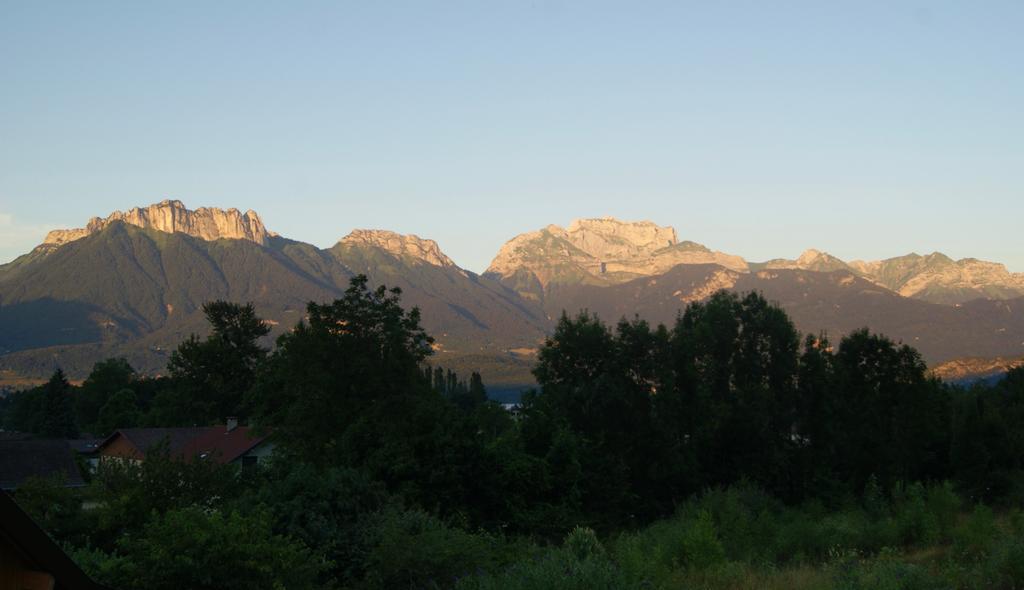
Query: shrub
(580, 564)
(1011, 565)
(700, 545)
(886, 574)
(944, 504)
(916, 525)
(414, 549)
(974, 539)
(582, 543)
(194, 548)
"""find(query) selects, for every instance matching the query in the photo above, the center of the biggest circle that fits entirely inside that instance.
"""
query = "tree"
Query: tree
(354, 353)
(58, 411)
(120, 411)
(891, 414)
(734, 362)
(333, 510)
(107, 377)
(596, 400)
(213, 376)
(193, 548)
(127, 494)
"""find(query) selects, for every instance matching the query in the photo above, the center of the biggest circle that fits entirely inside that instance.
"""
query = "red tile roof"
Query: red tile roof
(223, 446)
(216, 443)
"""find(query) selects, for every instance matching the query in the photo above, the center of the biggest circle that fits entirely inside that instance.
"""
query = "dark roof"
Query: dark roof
(12, 435)
(85, 446)
(38, 549)
(22, 459)
(144, 439)
(215, 442)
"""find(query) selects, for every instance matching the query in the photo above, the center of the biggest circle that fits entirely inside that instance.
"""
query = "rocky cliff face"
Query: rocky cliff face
(403, 246)
(935, 277)
(810, 260)
(940, 279)
(598, 251)
(972, 368)
(173, 217)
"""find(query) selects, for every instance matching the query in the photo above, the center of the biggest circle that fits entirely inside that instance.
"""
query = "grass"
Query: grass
(916, 537)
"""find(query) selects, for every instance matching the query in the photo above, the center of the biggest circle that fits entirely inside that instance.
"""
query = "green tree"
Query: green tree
(194, 548)
(358, 351)
(26, 410)
(58, 410)
(213, 376)
(596, 394)
(347, 388)
(54, 507)
(128, 493)
(891, 414)
(120, 411)
(333, 510)
(107, 378)
(735, 362)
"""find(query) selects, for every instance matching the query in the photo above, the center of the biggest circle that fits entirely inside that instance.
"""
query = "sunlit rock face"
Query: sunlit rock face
(403, 246)
(206, 223)
(934, 277)
(973, 367)
(599, 251)
(810, 260)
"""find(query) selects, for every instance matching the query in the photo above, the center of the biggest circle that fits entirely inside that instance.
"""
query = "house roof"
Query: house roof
(85, 446)
(22, 459)
(38, 549)
(13, 435)
(222, 445)
(144, 439)
(214, 442)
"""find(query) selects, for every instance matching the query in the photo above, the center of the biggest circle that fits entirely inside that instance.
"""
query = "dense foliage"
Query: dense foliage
(721, 452)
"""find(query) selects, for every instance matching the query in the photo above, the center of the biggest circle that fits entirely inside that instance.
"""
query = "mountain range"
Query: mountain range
(133, 284)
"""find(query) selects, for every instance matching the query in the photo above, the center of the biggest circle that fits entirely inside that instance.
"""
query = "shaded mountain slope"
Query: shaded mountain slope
(125, 290)
(836, 303)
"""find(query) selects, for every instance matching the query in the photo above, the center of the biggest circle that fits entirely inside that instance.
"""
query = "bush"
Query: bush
(974, 540)
(916, 525)
(1011, 564)
(333, 510)
(193, 548)
(580, 564)
(700, 545)
(582, 543)
(746, 520)
(414, 549)
(885, 574)
(944, 504)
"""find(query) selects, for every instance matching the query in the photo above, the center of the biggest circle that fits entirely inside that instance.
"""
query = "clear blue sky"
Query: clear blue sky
(867, 129)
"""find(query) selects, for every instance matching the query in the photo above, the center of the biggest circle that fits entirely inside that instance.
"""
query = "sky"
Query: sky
(865, 129)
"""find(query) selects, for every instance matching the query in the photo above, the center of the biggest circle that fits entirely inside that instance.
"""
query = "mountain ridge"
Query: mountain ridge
(134, 287)
(580, 254)
(172, 216)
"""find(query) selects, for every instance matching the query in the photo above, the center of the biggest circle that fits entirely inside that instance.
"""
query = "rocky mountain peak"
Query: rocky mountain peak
(597, 251)
(810, 256)
(607, 237)
(171, 216)
(400, 245)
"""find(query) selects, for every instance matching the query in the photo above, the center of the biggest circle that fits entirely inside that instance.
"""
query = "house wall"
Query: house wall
(16, 573)
(120, 448)
(261, 451)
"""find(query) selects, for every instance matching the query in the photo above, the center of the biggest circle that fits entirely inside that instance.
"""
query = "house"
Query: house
(227, 444)
(30, 559)
(22, 459)
(88, 450)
